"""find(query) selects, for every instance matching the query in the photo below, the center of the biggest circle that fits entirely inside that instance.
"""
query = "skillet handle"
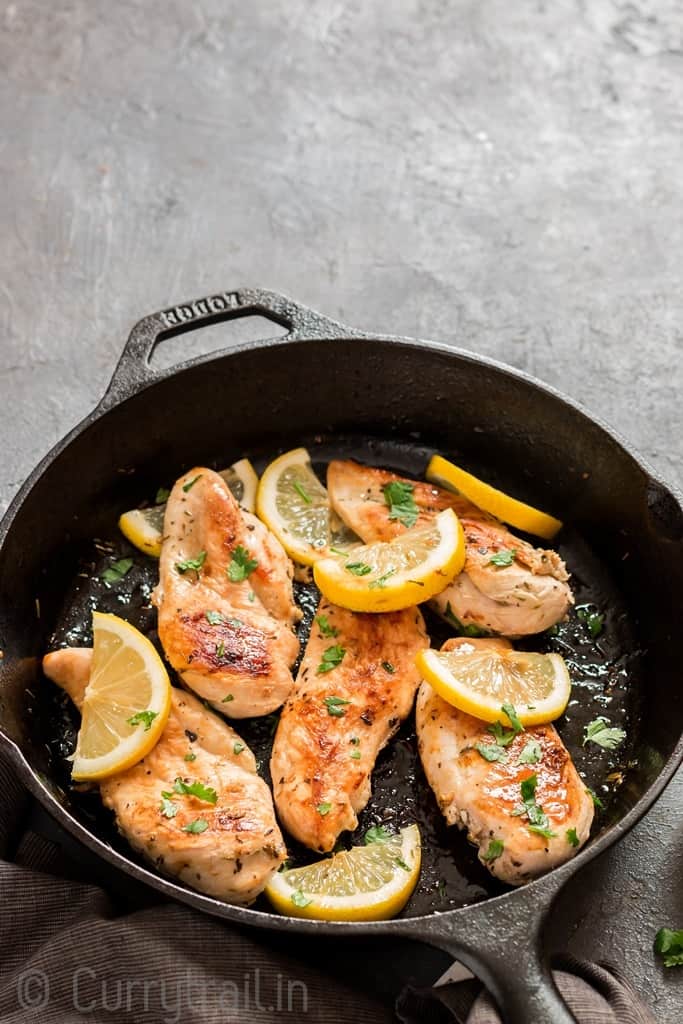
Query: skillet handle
(500, 942)
(134, 371)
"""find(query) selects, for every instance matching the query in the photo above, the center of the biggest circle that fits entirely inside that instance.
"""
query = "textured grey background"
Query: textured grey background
(502, 175)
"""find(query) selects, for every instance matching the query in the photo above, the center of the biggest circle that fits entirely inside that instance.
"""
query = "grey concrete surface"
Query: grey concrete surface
(505, 176)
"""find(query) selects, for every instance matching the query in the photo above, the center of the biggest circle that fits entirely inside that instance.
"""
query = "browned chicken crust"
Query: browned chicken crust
(524, 598)
(241, 847)
(337, 721)
(481, 795)
(230, 640)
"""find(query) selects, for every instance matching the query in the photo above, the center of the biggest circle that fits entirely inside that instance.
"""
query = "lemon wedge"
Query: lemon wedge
(294, 505)
(480, 680)
(390, 575)
(126, 703)
(524, 517)
(144, 527)
(367, 883)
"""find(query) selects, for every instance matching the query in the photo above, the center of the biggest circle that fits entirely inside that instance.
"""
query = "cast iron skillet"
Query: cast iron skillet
(326, 379)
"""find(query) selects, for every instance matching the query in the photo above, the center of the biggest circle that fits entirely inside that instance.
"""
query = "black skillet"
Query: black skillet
(389, 401)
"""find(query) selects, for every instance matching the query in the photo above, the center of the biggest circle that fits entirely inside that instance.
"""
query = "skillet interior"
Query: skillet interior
(388, 405)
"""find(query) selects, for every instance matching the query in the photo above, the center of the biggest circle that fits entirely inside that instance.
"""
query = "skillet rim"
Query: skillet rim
(551, 882)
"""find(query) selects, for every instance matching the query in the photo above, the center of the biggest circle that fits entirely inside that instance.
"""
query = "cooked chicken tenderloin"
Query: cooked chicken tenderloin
(228, 849)
(225, 600)
(356, 684)
(486, 798)
(525, 597)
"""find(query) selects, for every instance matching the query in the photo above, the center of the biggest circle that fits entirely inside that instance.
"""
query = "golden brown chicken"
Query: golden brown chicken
(355, 686)
(523, 597)
(195, 806)
(487, 797)
(225, 600)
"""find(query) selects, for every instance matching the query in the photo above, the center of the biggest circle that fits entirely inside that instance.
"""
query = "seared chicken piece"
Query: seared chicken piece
(525, 597)
(356, 684)
(241, 847)
(225, 600)
(485, 797)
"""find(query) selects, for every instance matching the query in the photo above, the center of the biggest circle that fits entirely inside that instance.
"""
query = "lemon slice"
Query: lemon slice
(524, 517)
(294, 504)
(144, 527)
(390, 575)
(480, 680)
(366, 883)
(126, 703)
(242, 480)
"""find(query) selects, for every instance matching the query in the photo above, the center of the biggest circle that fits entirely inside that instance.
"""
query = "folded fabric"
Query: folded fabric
(595, 993)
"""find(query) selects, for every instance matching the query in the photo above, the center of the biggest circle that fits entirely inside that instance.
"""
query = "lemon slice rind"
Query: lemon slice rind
(390, 871)
(127, 677)
(294, 505)
(509, 510)
(391, 575)
(544, 701)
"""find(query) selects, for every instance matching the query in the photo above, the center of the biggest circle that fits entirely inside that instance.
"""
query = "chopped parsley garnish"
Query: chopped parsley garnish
(220, 649)
(599, 731)
(191, 563)
(251, 596)
(323, 809)
(491, 751)
(552, 630)
(528, 788)
(238, 747)
(398, 496)
(198, 789)
(190, 757)
(324, 626)
(376, 834)
(402, 864)
(143, 718)
(597, 802)
(117, 570)
(495, 848)
(302, 492)
(332, 657)
(381, 581)
(214, 618)
(226, 700)
(197, 826)
(593, 620)
(538, 819)
(241, 565)
(300, 900)
(355, 755)
(167, 807)
(503, 558)
(388, 667)
(335, 706)
(503, 736)
(531, 754)
(190, 483)
(509, 710)
(358, 568)
(162, 496)
(572, 837)
(669, 945)
(470, 630)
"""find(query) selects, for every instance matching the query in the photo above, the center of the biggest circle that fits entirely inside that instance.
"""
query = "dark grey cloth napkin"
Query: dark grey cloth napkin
(68, 955)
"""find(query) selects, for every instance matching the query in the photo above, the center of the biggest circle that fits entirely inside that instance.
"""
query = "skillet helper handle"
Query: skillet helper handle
(500, 942)
(134, 371)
